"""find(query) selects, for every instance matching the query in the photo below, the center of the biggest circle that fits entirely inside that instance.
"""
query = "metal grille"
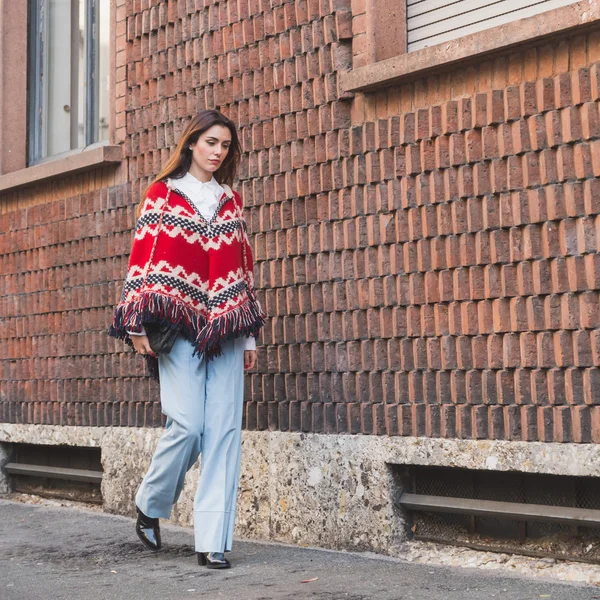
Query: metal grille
(505, 535)
(70, 457)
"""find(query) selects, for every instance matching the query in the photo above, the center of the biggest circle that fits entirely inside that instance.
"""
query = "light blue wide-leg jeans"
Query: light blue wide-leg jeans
(203, 403)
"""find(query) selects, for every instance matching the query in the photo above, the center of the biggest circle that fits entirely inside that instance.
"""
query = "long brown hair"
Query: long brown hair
(181, 159)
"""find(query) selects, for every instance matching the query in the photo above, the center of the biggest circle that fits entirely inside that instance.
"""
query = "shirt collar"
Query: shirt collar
(212, 184)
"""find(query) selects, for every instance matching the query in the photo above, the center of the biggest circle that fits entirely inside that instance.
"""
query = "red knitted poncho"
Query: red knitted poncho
(190, 273)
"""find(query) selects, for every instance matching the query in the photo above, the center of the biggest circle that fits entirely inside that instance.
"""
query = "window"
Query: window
(431, 22)
(399, 40)
(68, 82)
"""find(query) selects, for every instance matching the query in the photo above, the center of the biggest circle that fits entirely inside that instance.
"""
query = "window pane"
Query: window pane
(78, 79)
(103, 68)
(56, 69)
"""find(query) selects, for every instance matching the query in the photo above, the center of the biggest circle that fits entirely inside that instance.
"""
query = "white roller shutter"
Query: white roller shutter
(431, 22)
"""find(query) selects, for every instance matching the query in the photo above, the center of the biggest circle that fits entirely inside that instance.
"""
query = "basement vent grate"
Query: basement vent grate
(65, 472)
(539, 515)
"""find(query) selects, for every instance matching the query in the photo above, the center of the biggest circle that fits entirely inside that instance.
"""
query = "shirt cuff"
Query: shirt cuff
(250, 343)
(142, 332)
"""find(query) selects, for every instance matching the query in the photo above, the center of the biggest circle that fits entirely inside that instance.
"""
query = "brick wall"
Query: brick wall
(484, 181)
(57, 257)
(63, 243)
(427, 254)
(273, 68)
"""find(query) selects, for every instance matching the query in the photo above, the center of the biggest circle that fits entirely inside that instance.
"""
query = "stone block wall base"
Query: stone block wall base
(5, 456)
(319, 490)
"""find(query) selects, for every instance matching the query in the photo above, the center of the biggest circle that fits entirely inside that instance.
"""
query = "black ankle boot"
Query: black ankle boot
(148, 530)
(213, 560)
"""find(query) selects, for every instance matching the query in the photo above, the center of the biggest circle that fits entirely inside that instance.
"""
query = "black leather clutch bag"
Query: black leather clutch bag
(161, 337)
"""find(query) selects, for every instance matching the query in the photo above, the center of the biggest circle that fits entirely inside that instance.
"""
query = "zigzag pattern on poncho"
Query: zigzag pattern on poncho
(192, 274)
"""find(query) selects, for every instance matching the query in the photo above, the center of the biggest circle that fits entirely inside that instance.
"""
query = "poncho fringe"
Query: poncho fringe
(206, 337)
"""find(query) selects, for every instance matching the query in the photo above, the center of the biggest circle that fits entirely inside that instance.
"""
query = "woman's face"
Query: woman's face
(209, 152)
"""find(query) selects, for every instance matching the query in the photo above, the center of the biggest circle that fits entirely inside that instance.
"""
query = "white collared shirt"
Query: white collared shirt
(206, 198)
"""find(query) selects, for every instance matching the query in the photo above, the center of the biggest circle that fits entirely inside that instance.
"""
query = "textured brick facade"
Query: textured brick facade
(62, 244)
(427, 254)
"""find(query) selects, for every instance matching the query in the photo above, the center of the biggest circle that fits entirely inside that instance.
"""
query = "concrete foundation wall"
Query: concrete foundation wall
(5, 454)
(327, 491)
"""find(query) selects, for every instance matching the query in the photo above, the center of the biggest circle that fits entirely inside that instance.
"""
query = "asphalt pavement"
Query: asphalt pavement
(66, 553)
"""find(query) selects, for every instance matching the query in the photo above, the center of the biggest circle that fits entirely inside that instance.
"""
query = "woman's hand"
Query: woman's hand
(142, 344)
(249, 359)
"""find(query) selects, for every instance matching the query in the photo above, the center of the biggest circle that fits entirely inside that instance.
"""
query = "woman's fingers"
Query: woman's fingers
(249, 359)
(147, 348)
(141, 344)
(136, 340)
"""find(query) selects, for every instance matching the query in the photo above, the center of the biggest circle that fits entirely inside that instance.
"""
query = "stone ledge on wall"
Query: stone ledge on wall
(73, 162)
(309, 489)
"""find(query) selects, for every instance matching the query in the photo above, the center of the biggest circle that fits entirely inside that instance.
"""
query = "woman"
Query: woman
(189, 307)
